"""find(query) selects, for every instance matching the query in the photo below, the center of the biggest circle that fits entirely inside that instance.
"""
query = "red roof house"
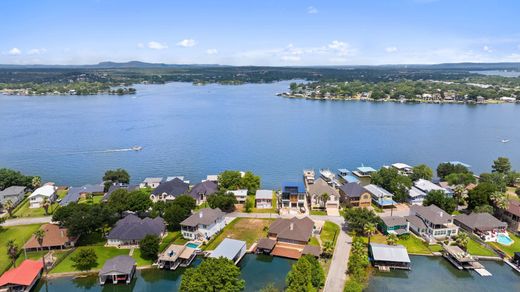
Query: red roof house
(23, 277)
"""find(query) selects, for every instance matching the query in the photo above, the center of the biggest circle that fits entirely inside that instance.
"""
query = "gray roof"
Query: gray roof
(229, 248)
(152, 180)
(74, 193)
(415, 221)
(432, 213)
(113, 188)
(480, 221)
(414, 192)
(378, 191)
(12, 190)
(393, 221)
(205, 188)
(204, 216)
(266, 243)
(122, 264)
(311, 250)
(174, 187)
(264, 194)
(292, 229)
(320, 187)
(134, 228)
(352, 190)
(389, 253)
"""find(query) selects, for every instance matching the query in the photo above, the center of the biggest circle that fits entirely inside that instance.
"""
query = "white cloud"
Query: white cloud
(211, 51)
(36, 51)
(15, 51)
(341, 48)
(391, 49)
(186, 43)
(140, 45)
(487, 49)
(157, 45)
(312, 10)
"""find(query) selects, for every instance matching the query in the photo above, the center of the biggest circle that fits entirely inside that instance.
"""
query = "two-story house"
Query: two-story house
(46, 192)
(169, 190)
(203, 224)
(202, 190)
(380, 196)
(293, 195)
(322, 195)
(512, 215)
(431, 222)
(354, 195)
(14, 194)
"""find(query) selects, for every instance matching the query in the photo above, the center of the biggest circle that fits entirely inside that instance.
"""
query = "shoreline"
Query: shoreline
(80, 274)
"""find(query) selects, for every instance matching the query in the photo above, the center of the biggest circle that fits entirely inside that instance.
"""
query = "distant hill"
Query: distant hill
(111, 65)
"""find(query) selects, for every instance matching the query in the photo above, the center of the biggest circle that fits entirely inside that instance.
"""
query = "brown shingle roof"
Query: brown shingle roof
(514, 207)
(265, 243)
(54, 236)
(292, 229)
(312, 250)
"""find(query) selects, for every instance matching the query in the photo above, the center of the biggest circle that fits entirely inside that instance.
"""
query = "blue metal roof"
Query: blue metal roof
(343, 170)
(299, 185)
(366, 169)
(350, 178)
(383, 203)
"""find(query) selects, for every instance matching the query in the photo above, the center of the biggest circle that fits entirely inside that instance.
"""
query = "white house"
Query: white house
(203, 224)
(432, 223)
(240, 195)
(380, 196)
(151, 182)
(416, 196)
(264, 199)
(427, 186)
(40, 194)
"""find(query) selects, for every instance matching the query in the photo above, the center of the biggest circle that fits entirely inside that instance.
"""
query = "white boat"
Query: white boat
(505, 140)
(137, 148)
(327, 175)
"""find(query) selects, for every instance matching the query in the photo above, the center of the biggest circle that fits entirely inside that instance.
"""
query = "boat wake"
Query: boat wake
(134, 148)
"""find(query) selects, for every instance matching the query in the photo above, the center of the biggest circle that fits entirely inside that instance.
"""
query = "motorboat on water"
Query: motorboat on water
(137, 148)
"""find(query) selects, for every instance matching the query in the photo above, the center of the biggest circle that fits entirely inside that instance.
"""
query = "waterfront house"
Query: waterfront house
(293, 195)
(364, 171)
(427, 186)
(387, 257)
(292, 231)
(240, 195)
(380, 196)
(394, 224)
(203, 224)
(346, 177)
(230, 249)
(119, 269)
(55, 237)
(308, 176)
(42, 193)
(264, 199)
(322, 195)
(169, 190)
(484, 225)
(416, 196)
(75, 193)
(354, 195)
(212, 177)
(431, 222)
(23, 277)
(202, 190)
(403, 168)
(181, 177)
(512, 215)
(14, 194)
(151, 182)
(176, 255)
(115, 187)
(130, 230)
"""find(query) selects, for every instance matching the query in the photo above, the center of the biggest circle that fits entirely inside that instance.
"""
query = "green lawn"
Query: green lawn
(474, 248)
(169, 239)
(35, 255)
(415, 245)
(314, 241)
(318, 212)
(264, 210)
(247, 229)
(329, 232)
(103, 254)
(511, 249)
(25, 211)
(139, 260)
(20, 234)
(95, 200)
(436, 248)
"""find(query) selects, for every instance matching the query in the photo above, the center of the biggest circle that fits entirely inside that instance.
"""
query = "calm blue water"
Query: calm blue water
(257, 271)
(437, 274)
(199, 130)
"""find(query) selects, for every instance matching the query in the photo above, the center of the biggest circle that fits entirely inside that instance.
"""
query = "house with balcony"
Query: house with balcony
(354, 195)
(169, 190)
(46, 192)
(322, 195)
(203, 224)
(264, 199)
(293, 195)
(431, 223)
(416, 196)
(380, 196)
(484, 225)
(394, 224)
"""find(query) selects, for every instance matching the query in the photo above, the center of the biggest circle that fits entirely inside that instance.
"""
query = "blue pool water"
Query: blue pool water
(504, 239)
(192, 245)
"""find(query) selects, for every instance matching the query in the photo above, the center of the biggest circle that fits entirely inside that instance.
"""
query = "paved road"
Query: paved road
(27, 221)
(337, 275)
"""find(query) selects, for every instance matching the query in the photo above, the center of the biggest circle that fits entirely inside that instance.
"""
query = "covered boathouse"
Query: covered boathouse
(119, 269)
(386, 257)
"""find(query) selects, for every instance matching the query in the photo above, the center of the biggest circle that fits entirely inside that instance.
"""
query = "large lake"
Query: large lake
(199, 130)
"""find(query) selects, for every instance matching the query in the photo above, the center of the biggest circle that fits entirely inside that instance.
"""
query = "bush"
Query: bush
(225, 201)
(149, 247)
(85, 260)
(305, 275)
(357, 218)
(250, 203)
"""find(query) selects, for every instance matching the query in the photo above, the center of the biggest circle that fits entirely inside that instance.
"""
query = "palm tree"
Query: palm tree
(328, 248)
(458, 194)
(12, 251)
(46, 204)
(9, 206)
(36, 182)
(369, 229)
(324, 198)
(392, 239)
(500, 200)
(40, 235)
(462, 240)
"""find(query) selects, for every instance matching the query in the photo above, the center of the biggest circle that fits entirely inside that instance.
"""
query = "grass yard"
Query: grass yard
(314, 241)
(509, 250)
(37, 255)
(20, 234)
(264, 210)
(247, 229)
(25, 211)
(474, 248)
(169, 239)
(139, 260)
(103, 254)
(413, 244)
(318, 212)
(95, 200)
(329, 232)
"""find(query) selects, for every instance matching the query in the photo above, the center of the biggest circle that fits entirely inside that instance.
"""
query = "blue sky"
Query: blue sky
(267, 32)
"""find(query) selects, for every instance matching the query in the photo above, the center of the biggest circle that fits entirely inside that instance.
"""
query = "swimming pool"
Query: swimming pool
(504, 239)
(192, 245)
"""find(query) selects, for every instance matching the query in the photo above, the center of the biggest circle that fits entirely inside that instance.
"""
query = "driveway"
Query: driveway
(27, 221)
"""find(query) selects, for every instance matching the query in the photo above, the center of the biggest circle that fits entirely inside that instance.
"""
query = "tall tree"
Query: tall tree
(251, 182)
(45, 205)
(223, 200)
(117, 176)
(392, 181)
(357, 218)
(462, 240)
(12, 251)
(40, 235)
(446, 168)
(85, 259)
(501, 165)
(369, 229)
(480, 195)
(230, 180)
(392, 239)
(9, 207)
(213, 274)
(36, 182)
(149, 247)
(421, 171)
(439, 199)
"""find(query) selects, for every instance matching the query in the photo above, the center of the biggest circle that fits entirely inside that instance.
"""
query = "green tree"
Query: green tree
(501, 165)
(460, 179)
(392, 181)
(9, 177)
(299, 277)
(446, 168)
(439, 199)
(421, 171)
(230, 180)
(149, 247)
(36, 182)
(117, 176)
(512, 178)
(499, 200)
(213, 274)
(46, 204)
(270, 287)
(392, 239)
(250, 204)
(462, 240)
(40, 235)
(12, 251)
(85, 259)
(498, 180)
(174, 214)
(328, 249)
(251, 182)
(186, 202)
(480, 195)
(357, 218)
(223, 200)
(484, 209)
(84, 219)
(369, 229)
(9, 207)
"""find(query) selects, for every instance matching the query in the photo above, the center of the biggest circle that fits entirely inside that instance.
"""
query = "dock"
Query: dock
(483, 272)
